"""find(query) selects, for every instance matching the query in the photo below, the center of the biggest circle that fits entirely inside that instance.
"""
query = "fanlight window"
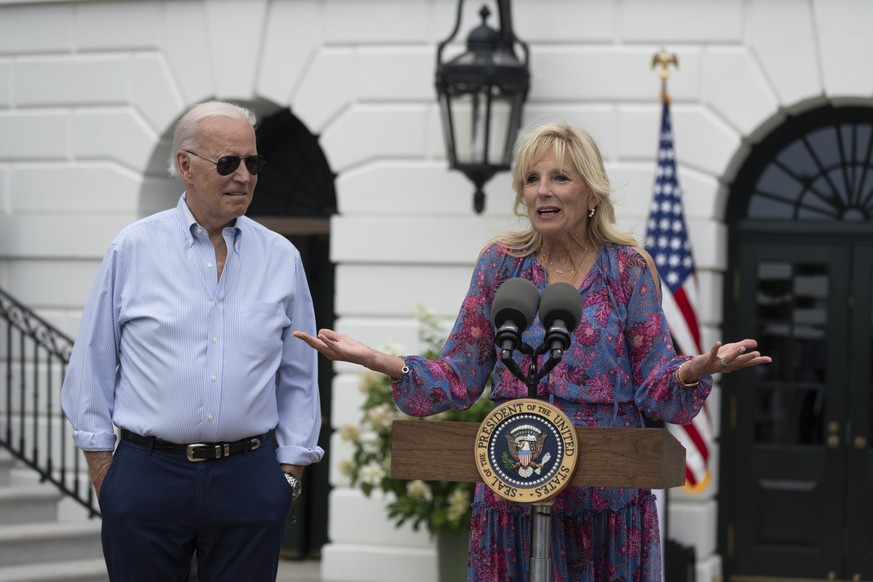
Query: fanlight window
(818, 167)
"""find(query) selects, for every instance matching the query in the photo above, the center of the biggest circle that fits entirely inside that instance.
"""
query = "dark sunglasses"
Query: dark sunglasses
(227, 165)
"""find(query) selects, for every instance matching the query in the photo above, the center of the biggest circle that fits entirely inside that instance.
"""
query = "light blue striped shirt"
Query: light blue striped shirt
(165, 348)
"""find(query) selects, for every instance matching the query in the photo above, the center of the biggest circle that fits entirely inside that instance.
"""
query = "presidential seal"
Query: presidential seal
(526, 450)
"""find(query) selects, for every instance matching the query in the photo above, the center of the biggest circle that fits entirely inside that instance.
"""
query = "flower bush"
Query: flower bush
(439, 505)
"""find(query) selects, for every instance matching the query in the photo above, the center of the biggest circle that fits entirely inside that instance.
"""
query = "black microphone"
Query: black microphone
(560, 313)
(513, 310)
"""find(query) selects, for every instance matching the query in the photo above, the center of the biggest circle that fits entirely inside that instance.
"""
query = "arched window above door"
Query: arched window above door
(818, 166)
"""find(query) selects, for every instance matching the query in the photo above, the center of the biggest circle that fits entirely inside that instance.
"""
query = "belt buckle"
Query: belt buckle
(190, 452)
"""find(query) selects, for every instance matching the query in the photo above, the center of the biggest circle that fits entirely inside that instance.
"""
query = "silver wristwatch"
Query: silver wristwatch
(295, 484)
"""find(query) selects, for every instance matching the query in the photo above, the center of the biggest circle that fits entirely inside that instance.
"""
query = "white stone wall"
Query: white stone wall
(90, 90)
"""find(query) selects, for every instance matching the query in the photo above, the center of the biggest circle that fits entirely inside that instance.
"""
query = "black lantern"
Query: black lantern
(481, 93)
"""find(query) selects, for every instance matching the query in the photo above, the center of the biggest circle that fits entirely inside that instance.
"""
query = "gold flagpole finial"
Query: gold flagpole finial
(664, 59)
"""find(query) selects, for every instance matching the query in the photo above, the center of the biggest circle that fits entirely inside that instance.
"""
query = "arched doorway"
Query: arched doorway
(295, 197)
(796, 465)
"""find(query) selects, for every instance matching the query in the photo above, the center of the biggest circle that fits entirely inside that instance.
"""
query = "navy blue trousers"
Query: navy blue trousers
(159, 509)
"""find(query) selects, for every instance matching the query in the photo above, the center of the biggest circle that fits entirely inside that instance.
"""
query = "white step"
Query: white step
(6, 463)
(66, 571)
(23, 504)
(49, 542)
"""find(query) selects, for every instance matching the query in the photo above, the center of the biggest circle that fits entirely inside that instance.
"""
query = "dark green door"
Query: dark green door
(795, 436)
(859, 430)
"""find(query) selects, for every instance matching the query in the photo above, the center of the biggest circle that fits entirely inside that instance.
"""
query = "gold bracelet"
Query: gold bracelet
(679, 379)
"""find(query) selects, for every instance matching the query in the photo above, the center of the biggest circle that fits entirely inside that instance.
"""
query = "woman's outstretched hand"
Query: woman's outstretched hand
(724, 358)
(338, 347)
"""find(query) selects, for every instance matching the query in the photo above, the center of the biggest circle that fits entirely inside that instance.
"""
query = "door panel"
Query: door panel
(860, 456)
(788, 423)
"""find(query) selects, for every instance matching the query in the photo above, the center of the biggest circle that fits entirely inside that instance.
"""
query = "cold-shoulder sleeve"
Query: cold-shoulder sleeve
(653, 360)
(458, 377)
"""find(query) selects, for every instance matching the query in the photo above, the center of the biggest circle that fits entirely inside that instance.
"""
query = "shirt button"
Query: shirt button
(215, 302)
(214, 378)
(210, 418)
(209, 265)
(215, 340)
(199, 231)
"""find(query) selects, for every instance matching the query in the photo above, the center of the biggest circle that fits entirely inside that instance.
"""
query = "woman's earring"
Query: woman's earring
(591, 212)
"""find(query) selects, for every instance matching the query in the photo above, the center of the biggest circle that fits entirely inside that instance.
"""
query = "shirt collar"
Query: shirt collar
(192, 229)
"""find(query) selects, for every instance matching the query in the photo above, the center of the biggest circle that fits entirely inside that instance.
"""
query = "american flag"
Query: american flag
(668, 243)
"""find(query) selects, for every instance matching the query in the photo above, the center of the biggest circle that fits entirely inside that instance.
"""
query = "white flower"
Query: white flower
(370, 442)
(381, 416)
(372, 473)
(459, 503)
(346, 466)
(350, 433)
(419, 490)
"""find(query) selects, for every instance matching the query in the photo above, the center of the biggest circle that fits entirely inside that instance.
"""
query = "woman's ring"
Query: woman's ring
(724, 362)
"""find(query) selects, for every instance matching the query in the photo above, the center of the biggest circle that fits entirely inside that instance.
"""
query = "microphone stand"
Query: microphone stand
(541, 513)
(534, 374)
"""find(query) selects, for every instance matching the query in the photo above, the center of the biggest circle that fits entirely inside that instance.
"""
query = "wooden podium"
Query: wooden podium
(650, 458)
(607, 457)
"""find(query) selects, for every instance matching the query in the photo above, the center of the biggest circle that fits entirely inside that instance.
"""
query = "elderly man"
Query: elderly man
(185, 347)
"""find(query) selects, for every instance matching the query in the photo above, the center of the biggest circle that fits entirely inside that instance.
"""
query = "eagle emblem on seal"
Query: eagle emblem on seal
(525, 445)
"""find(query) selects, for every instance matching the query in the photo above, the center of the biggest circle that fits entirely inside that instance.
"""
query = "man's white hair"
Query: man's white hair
(186, 134)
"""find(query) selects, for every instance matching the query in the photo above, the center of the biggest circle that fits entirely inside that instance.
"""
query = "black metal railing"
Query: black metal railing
(33, 359)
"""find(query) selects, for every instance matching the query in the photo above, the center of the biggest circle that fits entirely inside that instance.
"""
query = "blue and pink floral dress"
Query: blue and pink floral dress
(620, 366)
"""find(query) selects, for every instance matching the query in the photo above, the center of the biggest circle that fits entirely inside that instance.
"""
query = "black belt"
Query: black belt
(196, 452)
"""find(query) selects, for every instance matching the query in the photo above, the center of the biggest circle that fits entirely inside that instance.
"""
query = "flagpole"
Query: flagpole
(663, 59)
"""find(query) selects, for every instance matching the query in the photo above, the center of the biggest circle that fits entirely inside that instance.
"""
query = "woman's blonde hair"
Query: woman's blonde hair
(565, 143)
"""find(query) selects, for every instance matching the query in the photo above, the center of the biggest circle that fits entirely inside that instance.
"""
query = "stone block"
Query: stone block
(398, 21)
(383, 188)
(31, 28)
(627, 68)
(153, 92)
(72, 237)
(233, 49)
(186, 46)
(593, 21)
(92, 187)
(736, 88)
(52, 283)
(424, 240)
(357, 563)
(326, 89)
(116, 26)
(694, 524)
(5, 83)
(440, 288)
(682, 21)
(115, 134)
(292, 37)
(787, 58)
(358, 519)
(46, 81)
(843, 35)
(396, 74)
(42, 134)
(367, 132)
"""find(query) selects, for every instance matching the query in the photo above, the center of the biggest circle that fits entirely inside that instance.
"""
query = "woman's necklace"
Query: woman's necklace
(571, 271)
